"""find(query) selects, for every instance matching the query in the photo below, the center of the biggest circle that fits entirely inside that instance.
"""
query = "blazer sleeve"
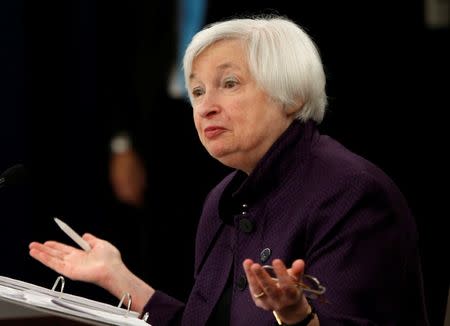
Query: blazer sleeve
(163, 310)
(363, 244)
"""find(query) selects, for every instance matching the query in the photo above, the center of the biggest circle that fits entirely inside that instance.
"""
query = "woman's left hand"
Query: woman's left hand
(283, 295)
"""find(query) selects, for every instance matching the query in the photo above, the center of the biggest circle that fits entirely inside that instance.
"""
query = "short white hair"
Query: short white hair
(282, 58)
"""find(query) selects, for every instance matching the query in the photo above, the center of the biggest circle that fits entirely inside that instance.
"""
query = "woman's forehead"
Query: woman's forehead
(222, 55)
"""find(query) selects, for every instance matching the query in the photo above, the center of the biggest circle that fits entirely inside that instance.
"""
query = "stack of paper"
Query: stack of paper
(66, 305)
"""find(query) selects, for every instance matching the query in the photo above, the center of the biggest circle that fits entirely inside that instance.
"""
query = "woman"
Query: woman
(297, 201)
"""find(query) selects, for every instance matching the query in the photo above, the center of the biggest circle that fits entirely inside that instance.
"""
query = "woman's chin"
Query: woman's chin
(222, 156)
(218, 152)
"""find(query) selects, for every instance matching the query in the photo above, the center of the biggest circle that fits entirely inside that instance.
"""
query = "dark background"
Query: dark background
(388, 92)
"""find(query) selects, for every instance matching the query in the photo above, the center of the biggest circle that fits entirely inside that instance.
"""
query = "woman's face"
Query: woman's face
(236, 121)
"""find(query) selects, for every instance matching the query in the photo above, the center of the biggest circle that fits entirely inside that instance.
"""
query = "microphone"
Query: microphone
(13, 176)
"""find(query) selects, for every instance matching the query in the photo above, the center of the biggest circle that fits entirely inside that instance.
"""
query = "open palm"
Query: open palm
(92, 266)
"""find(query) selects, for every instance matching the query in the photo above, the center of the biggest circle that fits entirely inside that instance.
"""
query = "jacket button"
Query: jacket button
(244, 209)
(265, 254)
(241, 283)
(245, 225)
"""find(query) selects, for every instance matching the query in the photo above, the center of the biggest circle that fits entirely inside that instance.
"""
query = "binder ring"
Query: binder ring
(145, 317)
(128, 296)
(60, 278)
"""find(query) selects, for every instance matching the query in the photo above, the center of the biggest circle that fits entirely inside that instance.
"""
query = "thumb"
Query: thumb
(297, 269)
(91, 239)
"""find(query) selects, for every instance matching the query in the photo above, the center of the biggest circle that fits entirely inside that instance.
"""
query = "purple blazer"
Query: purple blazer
(310, 198)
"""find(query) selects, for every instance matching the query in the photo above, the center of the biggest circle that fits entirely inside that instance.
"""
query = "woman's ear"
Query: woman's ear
(293, 109)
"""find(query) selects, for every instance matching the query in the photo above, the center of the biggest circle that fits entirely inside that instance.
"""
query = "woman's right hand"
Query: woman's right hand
(102, 265)
(95, 266)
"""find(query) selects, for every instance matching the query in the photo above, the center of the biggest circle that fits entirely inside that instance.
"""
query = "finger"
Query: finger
(46, 249)
(295, 272)
(89, 237)
(92, 240)
(297, 269)
(285, 275)
(264, 280)
(286, 282)
(281, 271)
(252, 280)
(66, 249)
(56, 253)
(48, 260)
(34, 244)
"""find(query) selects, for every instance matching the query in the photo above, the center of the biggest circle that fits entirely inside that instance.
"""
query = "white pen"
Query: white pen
(72, 234)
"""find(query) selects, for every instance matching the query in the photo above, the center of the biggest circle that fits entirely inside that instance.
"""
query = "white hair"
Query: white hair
(282, 58)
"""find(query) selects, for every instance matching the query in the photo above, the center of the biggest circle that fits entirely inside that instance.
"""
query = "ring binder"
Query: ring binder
(145, 317)
(59, 278)
(128, 296)
(55, 301)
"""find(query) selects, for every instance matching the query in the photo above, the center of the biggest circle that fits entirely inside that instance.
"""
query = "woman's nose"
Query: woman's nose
(208, 106)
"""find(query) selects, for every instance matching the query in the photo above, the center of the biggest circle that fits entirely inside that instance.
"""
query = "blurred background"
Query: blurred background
(67, 68)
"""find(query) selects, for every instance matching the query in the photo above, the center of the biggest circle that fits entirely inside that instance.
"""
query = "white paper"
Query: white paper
(64, 304)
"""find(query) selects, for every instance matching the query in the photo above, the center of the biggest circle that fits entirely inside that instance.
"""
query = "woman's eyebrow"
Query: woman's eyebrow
(222, 66)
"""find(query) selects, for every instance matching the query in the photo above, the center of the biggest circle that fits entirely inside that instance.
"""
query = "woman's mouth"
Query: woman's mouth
(213, 131)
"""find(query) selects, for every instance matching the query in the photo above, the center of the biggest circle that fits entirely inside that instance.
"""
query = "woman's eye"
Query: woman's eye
(196, 92)
(229, 83)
